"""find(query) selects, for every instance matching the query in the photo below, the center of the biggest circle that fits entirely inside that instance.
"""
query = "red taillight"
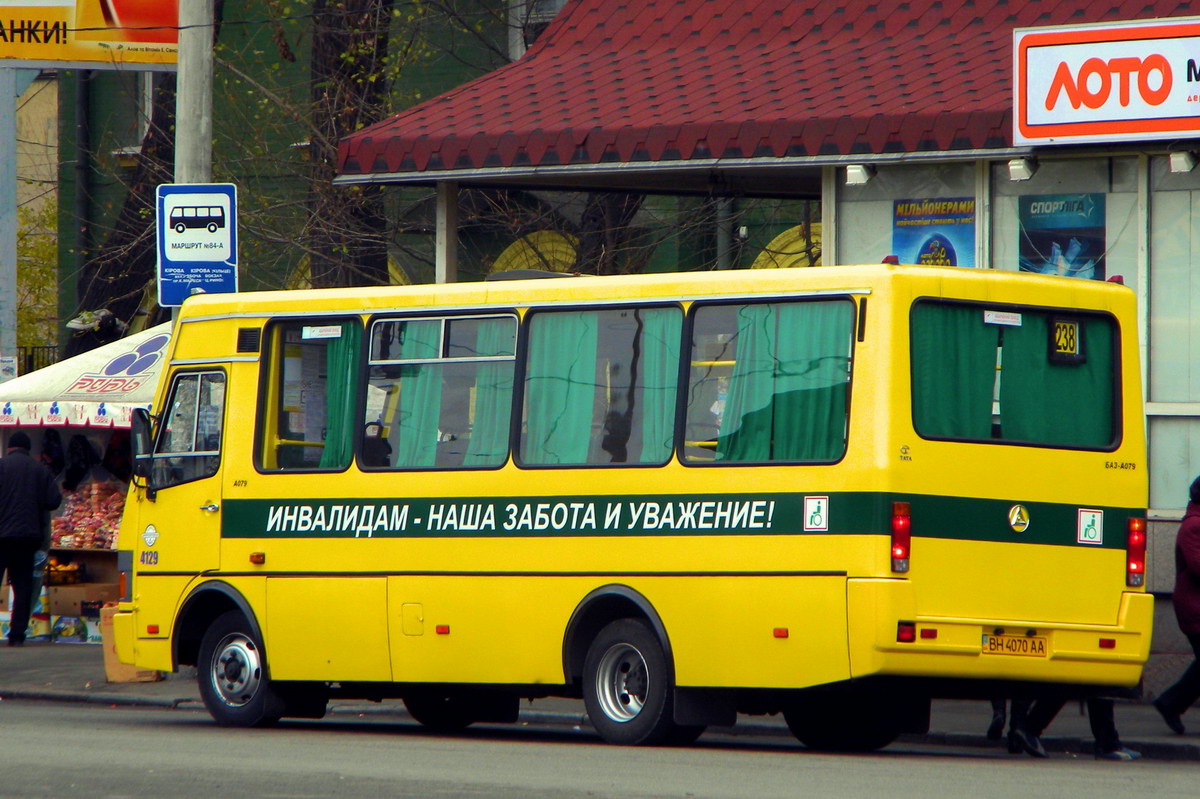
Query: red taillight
(906, 632)
(1135, 553)
(901, 536)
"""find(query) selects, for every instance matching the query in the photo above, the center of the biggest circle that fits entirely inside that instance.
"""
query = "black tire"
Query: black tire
(232, 674)
(303, 700)
(212, 227)
(180, 227)
(843, 722)
(628, 686)
(441, 712)
(684, 736)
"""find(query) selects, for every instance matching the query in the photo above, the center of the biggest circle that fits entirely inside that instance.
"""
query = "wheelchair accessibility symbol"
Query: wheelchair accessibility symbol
(816, 514)
(1090, 529)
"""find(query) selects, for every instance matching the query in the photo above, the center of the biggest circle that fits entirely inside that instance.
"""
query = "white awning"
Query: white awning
(99, 388)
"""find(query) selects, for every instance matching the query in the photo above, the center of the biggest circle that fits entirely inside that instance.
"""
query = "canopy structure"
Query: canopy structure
(706, 96)
(99, 388)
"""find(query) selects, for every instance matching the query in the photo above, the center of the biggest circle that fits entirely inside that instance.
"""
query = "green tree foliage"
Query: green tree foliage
(37, 275)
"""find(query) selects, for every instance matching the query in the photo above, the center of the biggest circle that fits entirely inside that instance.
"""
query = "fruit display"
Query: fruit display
(58, 573)
(90, 517)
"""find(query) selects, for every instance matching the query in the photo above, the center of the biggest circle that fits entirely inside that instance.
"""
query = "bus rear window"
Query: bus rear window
(1045, 377)
(769, 382)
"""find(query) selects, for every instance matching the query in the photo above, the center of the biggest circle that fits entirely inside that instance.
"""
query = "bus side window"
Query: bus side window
(600, 386)
(314, 396)
(769, 382)
(439, 392)
(189, 444)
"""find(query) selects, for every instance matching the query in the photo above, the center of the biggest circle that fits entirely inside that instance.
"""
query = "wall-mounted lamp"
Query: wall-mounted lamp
(1021, 168)
(858, 174)
(1183, 161)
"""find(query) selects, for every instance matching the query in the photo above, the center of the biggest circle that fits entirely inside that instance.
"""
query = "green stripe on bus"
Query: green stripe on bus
(848, 513)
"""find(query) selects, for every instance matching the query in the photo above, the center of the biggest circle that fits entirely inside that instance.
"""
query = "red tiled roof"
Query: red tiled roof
(675, 80)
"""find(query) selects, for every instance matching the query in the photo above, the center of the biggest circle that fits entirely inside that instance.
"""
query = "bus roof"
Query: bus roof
(959, 282)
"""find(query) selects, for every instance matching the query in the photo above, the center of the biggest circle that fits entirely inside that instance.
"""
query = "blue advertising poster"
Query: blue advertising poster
(934, 232)
(1062, 234)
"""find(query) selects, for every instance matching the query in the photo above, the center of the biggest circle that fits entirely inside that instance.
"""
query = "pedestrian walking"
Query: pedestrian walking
(1174, 702)
(1028, 721)
(28, 493)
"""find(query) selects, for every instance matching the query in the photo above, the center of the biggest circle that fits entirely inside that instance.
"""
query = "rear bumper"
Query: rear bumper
(145, 653)
(951, 648)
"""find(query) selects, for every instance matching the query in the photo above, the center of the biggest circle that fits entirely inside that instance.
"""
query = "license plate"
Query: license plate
(1030, 646)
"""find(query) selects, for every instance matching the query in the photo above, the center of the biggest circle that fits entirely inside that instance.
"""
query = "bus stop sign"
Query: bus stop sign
(197, 240)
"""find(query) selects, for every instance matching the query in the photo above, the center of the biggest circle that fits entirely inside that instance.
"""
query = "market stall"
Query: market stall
(77, 413)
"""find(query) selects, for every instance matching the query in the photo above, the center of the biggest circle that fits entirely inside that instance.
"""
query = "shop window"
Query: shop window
(921, 213)
(769, 382)
(189, 441)
(1173, 327)
(1072, 217)
(1013, 375)
(600, 387)
(439, 393)
(313, 397)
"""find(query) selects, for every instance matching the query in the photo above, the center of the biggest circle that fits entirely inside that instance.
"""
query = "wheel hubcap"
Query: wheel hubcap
(236, 670)
(621, 683)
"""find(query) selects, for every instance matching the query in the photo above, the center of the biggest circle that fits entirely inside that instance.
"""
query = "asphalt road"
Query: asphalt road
(62, 750)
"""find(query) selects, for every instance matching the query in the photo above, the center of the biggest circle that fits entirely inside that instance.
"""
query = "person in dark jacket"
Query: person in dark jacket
(1174, 702)
(28, 493)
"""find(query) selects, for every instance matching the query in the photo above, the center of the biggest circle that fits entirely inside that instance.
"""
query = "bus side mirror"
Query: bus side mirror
(143, 442)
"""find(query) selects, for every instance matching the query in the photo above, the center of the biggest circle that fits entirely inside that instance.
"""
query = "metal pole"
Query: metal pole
(193, 98)
(13, 83)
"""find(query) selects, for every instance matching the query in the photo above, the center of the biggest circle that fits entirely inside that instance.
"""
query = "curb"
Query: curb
(1069, 745)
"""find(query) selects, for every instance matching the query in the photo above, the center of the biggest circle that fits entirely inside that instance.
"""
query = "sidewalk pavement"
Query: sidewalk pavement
(75, 673)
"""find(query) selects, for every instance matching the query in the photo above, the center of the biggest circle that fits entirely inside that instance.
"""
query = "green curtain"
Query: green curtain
(787, 392)
(560, 388)
(488, 445)
(953, 370)
(416, 434)
(660, 355)
(341, 393)
(1055, 403)
(812, 374)
(745, 430)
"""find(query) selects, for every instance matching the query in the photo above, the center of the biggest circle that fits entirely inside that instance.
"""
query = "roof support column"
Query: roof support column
(829, 216)
(445, 242)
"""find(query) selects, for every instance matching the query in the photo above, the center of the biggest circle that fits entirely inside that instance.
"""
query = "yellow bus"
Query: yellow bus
(829, 493)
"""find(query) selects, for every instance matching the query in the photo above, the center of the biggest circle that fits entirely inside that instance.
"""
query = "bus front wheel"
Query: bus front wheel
(232, 675)
(627, 686)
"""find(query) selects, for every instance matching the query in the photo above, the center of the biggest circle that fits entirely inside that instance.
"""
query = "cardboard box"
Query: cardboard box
(38, 629)
(67, 600)
(114, 669)
(72, 630)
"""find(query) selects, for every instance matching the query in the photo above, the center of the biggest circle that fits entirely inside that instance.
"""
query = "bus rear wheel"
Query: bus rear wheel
(843, 722)
(232, 675)
(628, 689)
(441, 712)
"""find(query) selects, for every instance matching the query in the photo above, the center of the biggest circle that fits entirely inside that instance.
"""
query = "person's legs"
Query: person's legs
(1041, 714)
(1174, 701)
(996, 729)
(1028, 721)
(1104, 727)
(19, 563)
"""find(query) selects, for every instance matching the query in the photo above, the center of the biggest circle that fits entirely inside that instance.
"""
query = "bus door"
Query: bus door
(178, 526)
